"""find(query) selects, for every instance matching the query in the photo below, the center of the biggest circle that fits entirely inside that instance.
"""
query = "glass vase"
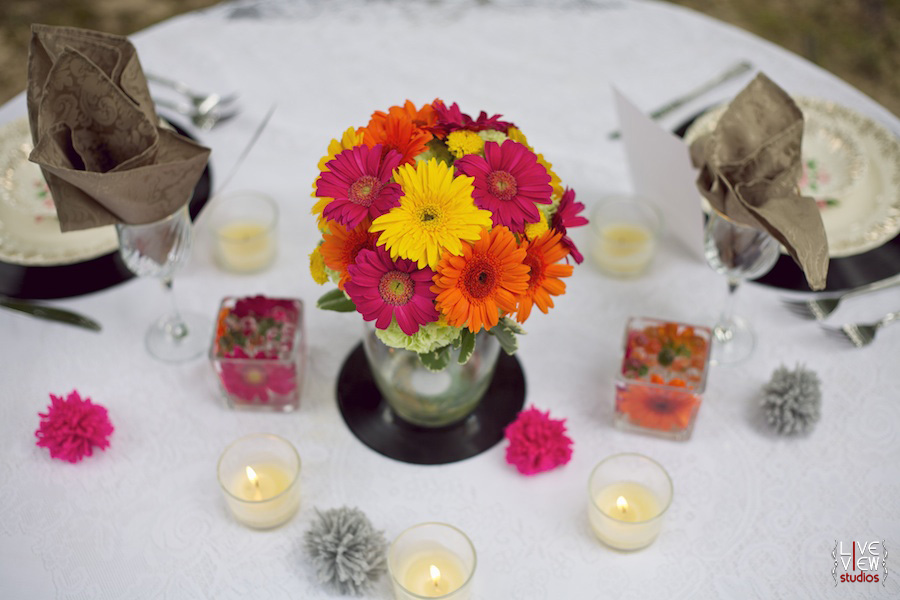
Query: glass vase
(431, 398)
(264, 378)
(660, 385)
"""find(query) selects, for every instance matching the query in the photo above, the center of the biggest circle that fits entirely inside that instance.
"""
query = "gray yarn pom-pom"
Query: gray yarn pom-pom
(792, 400)
(347, 552)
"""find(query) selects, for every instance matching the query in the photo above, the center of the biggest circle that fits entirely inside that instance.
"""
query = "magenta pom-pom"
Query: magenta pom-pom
(537, 443)
(71, 427)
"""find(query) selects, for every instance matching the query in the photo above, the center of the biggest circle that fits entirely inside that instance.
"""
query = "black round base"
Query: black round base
(374, 423)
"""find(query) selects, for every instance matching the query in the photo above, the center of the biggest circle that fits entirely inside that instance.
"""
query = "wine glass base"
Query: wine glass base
(733, 341)
(168, 342)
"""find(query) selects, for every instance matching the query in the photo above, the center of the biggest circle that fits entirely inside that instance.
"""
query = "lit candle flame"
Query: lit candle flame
(435, 575)
(251, 475)
(622, 504)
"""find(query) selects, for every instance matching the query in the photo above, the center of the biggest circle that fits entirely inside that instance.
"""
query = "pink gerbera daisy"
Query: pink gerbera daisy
(358, 181)
(453, 119)
(508, 182)
(383, 289)
(261, 306)
(257, 380)
(567, 216)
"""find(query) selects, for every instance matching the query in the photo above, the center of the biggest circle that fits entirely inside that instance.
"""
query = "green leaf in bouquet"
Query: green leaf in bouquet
(336, 300)
(506, 331)
(437, 360)
(466, 346)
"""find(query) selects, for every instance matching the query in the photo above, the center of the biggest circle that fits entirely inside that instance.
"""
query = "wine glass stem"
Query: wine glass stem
(723, 331)
(175, 327)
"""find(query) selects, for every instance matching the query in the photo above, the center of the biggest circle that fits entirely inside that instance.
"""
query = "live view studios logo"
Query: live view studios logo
(862, 562)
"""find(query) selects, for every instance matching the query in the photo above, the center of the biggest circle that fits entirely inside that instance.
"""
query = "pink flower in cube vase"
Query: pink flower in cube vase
(258, 352)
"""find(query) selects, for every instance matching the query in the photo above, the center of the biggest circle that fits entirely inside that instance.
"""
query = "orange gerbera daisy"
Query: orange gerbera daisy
(341, 246)
(541, 255)
(657, 407)
(396, 131)
(424, 117)
(475, 288)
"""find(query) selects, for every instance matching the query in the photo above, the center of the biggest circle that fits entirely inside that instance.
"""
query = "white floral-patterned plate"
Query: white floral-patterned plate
(29, 228)
(851, 166)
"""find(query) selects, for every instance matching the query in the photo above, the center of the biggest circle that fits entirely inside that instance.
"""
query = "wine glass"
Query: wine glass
(739, 252)
(159, 249)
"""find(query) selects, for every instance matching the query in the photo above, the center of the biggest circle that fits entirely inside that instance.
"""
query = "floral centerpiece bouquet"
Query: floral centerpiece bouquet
(437, 226)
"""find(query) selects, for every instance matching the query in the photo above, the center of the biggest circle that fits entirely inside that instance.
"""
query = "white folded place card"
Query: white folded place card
(661, 171)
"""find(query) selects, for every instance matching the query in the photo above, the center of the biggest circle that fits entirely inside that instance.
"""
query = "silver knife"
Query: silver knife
(214, 197)
(51, 314)
(736, 70)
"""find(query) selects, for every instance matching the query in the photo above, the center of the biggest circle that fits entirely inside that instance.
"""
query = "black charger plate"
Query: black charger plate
(373, 422)
(844, 273)
(31, 282)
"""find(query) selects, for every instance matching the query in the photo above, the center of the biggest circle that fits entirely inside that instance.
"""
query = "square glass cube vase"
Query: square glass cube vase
(260, 364)
(660, 384)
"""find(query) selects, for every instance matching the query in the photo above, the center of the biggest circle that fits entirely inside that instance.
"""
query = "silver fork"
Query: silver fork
(203, 120)
(203, 103)
(820, 308)
(862, 334)
(732, 72)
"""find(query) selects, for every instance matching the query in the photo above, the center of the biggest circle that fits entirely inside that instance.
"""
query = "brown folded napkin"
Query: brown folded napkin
(749, 169)
(96, 134)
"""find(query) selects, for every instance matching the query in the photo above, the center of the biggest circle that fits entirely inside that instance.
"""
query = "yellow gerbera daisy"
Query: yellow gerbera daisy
(317, 267)
(349, 139)
(463, 142)
(318, 208)
(516, 135)
(436, 214)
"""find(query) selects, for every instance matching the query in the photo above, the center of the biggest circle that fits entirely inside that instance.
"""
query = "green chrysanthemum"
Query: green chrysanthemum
(429, 338)
(435, 149)
(492, 135)
(333, 276)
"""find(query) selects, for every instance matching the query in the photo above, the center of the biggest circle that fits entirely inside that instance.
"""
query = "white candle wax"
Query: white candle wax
(624, 249)
(264, 499)
(433, 573)
(626, 515)
(432, 560)
(245, 246)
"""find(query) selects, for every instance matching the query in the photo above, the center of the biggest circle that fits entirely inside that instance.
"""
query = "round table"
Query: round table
(754, 515)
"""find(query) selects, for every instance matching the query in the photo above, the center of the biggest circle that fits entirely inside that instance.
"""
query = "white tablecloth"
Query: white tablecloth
(754, 515)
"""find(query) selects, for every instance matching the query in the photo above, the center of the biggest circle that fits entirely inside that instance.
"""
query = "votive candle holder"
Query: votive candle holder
(432, 560)
(628, 497)
(260, 479)
(245, 228)
(625, 234)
